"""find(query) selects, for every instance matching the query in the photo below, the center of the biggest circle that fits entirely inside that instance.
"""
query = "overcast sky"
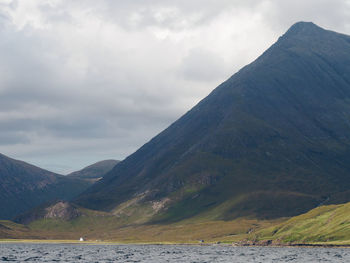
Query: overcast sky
(87, 80)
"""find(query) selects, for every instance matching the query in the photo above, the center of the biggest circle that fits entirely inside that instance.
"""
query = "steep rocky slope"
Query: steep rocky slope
(271, 141)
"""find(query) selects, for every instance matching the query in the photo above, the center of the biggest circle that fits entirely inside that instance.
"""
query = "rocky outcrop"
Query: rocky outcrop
(60, 210)
(259, 243)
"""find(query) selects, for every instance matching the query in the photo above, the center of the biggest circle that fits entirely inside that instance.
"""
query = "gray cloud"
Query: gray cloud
(86, 80)
(202, 65)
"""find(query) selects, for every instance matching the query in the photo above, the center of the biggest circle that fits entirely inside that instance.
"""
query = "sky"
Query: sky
(85, 80)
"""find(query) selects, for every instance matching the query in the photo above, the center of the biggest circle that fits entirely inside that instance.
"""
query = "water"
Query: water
(161, 253)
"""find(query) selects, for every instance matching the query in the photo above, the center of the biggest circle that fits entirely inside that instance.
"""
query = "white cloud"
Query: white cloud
(86, 80)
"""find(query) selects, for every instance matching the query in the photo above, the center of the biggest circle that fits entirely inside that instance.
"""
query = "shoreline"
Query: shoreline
(88, 242)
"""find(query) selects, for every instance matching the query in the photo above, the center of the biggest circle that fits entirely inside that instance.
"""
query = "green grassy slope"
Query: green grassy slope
(101, 226)
(325, 224)
(65, 221)
(9, 229)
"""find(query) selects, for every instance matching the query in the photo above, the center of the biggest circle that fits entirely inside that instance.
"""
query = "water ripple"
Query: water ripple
(14, 252)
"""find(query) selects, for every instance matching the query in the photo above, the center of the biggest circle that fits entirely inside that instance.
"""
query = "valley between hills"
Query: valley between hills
(262, 160)
(323, 226)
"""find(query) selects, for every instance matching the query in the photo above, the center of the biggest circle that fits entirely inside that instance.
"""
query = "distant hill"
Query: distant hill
(96, 170)
(272, 141)
(24, 186)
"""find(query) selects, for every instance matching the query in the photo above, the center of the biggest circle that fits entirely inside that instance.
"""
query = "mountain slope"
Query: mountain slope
(323, 224)
(95, 171)
(271, 141)
(24, 186)
(63, 220)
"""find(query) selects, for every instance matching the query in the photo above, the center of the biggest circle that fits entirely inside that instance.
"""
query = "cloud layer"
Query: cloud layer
(86, 80)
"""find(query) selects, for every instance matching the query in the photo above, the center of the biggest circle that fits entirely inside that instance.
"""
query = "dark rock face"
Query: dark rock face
(274, 139)
(24, 186)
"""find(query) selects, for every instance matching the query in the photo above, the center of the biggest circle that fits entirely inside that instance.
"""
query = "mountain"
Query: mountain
(326, 224)
(95, 171)
(24, 186)
(272, 141)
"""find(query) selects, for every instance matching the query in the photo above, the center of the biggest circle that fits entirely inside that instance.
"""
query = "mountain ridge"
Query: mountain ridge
(24, 186)
(275, 132)
(94, 171)
(269, 143)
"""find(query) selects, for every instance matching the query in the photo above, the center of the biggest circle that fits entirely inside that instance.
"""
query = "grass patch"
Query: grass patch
(323, 225)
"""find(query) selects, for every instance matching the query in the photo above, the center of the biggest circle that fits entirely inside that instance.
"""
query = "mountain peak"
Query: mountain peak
(301, 25)
(304, 29)
(309, 37)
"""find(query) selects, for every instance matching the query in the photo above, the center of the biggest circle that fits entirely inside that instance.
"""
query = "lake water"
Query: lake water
(164, 253)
